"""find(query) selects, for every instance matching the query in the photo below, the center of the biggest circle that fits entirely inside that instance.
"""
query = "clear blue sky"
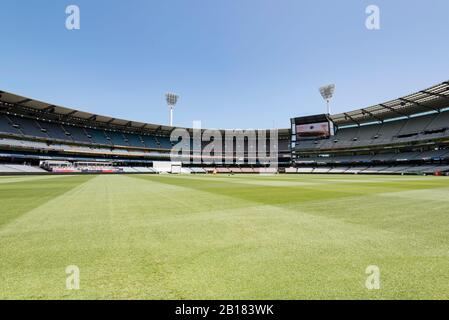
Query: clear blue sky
(235, 63)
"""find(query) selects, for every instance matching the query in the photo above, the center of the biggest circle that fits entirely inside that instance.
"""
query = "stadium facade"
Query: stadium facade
(409, 135)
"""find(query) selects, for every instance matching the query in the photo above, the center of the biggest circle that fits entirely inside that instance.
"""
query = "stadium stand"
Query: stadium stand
(27, 126)
(7, 127)
(134, 140)
(14, 168)
(77, 133)
(409, 135)
(305, 170)
(53, 130)
(98, 136)
(198, 170)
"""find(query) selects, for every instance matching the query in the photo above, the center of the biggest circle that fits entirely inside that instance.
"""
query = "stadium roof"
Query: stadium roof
(68, 113)
(22, 104)
(432, 99)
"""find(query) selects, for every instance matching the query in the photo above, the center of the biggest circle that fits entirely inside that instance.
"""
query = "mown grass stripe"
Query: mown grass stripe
(19, 197)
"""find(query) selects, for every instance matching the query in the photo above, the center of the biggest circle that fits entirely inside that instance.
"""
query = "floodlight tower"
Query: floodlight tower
(171, 102)
(327, 92)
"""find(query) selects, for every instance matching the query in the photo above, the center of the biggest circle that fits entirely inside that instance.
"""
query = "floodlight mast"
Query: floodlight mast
(327, 92)
(171, 99)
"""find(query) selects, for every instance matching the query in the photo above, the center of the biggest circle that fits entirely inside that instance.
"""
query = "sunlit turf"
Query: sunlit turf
(224, 237)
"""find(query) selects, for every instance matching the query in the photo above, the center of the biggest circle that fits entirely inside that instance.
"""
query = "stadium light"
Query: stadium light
(172, 99)
(327, 92)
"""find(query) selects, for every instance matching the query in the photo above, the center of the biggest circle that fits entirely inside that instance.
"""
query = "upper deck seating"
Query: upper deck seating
(441, 121)
(6, 126)
(390, 132)
(134, 140)
(28, 127)
(149, 141)
(77, 133)
(98, 136)
(117, 138)
(164, 143)
(54, 130)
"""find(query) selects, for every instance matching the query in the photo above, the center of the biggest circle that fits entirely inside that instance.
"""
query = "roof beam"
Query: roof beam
(435, 94)
(110, 121)
(348, 116)
(23, 101)
(50, 109)
(93, 117)
(420, 105)
(394, 110)
(371, 115)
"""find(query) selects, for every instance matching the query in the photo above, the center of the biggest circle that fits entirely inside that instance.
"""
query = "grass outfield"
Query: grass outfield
(221, 237)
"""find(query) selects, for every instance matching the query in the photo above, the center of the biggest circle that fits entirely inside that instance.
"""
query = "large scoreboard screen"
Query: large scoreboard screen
(312, 127)
(313, 130)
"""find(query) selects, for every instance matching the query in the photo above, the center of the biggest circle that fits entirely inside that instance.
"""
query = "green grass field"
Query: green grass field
(223, 237)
